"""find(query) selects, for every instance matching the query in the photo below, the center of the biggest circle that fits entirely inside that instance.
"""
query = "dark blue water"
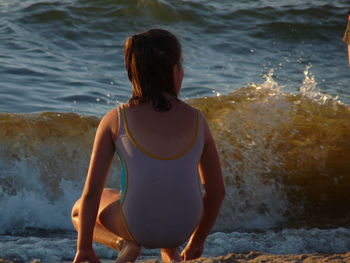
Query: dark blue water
(68, 55)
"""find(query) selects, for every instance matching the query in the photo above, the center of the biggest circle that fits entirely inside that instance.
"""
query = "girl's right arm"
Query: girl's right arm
(100, 163)
(211, 177)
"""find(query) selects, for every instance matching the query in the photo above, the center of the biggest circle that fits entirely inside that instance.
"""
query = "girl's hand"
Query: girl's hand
(84, 256)
(192, 251)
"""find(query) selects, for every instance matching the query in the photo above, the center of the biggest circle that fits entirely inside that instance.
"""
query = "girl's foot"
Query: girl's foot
(129, 252)
(119, 244)
(170, 255)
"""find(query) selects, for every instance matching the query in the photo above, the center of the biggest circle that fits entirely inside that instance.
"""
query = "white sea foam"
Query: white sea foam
(288, 241)
(28, 209)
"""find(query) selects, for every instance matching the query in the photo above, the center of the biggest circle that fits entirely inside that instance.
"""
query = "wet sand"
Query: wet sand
(257, 257)
(252, 257)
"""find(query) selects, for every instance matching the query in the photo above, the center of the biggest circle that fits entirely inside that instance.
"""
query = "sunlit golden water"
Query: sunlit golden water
(46, 148)
(285, 157)
(296, 145)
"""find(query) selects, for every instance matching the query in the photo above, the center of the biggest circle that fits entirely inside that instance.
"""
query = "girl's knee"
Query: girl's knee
(75, 208)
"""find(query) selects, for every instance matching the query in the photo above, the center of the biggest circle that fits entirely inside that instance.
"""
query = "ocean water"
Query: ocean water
(271, 77)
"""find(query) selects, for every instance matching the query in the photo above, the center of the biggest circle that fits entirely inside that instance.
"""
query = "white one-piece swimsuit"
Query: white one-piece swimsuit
(161, 201)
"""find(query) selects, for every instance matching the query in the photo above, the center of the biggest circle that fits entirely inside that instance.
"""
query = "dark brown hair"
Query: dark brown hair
(149, 60)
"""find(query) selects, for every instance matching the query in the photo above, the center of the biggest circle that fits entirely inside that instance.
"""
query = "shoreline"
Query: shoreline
(259, 257)
(252, 257)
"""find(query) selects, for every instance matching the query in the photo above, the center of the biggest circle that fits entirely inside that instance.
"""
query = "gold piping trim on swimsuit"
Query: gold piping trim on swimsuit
(119, 123)
(124, 196)
(187, 149)
(200, 193)
(199, 181)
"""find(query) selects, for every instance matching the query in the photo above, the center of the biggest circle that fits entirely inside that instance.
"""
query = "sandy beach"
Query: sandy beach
(258, 257)
(252, 257)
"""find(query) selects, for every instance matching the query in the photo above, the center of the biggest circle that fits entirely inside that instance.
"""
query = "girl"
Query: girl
(163, 144)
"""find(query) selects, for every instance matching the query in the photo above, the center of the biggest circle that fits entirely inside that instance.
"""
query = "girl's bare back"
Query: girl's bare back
(162, 133)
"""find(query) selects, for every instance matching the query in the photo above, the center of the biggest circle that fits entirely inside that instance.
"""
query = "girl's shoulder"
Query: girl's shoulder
(189, 108)
(110, 121)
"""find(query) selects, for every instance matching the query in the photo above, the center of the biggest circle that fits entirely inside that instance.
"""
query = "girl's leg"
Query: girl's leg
(170, 254)
(109, 228)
